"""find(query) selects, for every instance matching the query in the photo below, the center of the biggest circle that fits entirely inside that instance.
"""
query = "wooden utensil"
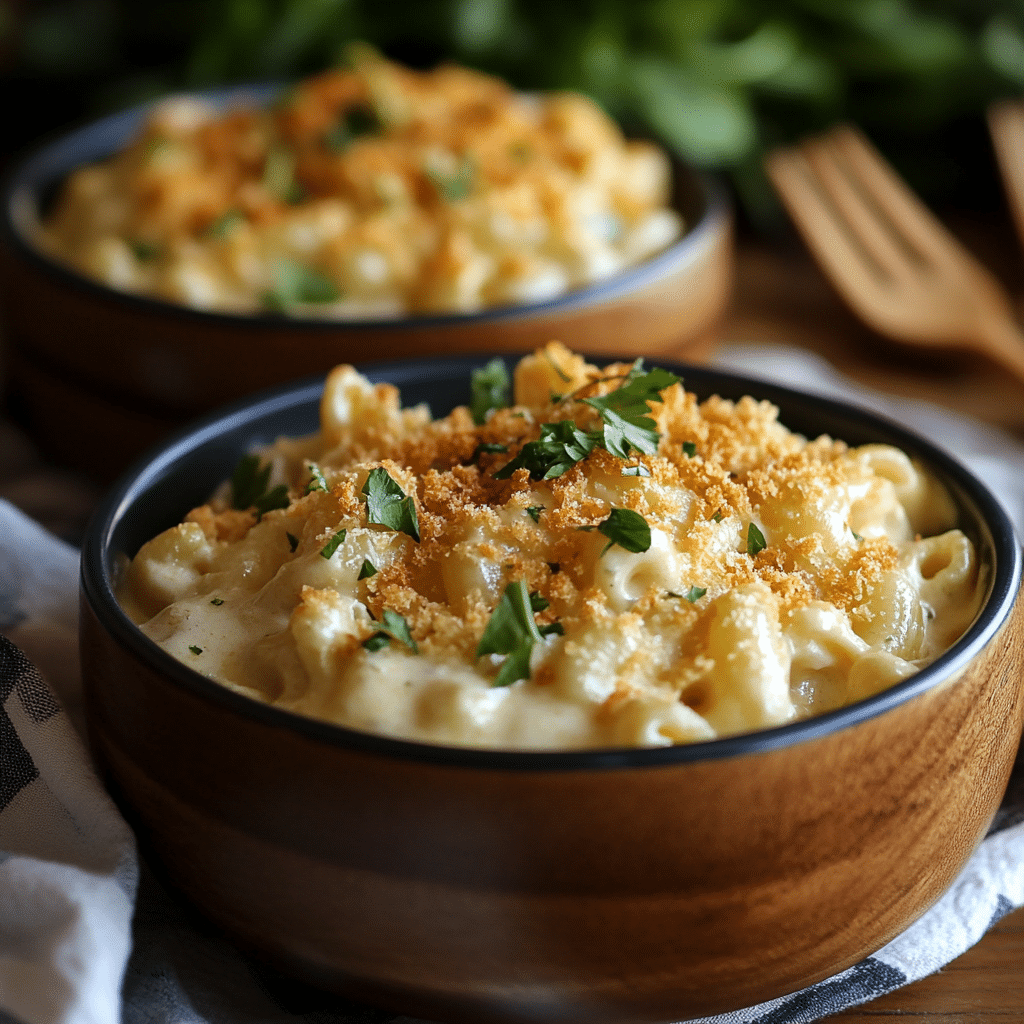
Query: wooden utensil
(896, 266)
(1006, 124)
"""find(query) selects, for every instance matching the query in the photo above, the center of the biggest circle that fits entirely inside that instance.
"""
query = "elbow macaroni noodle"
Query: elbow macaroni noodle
(371, 192)
(782, 577)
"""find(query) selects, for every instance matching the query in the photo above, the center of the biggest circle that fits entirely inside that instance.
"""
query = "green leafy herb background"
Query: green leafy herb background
(719, 81)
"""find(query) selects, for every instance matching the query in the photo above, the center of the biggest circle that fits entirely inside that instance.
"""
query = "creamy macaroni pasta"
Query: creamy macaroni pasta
(605, 562)
(374, 191)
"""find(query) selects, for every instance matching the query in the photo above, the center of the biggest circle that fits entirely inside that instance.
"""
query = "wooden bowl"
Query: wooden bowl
(588, 886)
(129, 360)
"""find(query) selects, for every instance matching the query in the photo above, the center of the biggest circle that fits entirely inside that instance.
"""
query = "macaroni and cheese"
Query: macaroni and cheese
(603, 562)
(375, 191)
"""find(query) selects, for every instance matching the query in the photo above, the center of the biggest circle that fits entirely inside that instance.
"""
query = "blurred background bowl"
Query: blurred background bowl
(586, 886)
(98, 375)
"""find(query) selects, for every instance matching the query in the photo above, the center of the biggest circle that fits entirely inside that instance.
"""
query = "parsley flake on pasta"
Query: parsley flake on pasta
(388, 505)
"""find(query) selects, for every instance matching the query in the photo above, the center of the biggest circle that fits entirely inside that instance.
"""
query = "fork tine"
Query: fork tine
(826, 235)
(1006, 122)
(914, 220)
(874, 231)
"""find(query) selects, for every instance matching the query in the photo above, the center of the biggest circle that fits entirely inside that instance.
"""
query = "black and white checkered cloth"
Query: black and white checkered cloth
(88, 936)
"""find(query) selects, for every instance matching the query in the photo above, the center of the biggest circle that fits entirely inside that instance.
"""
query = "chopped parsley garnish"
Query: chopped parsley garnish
(279, 175)
(393, 627)
(534, 511)
(718, 517)
(353, 123)
(388, 505)
(692, 595)
(856, 535)
(626, 414)
(512, 631)
(560, 446)
(755, 540)
(638, 470)
(485, 448)
(217, 601)
(457, 185)
(368, 570)
(689, 449)
(333, 544)
(317, 480)
(144, 252)
(537, 602)
(293, 541)
(626, 528)
(490, 389)
(552, 628)
(222, 226)
(249, 487)
(194, 649)
(295, 284)
(626, 426)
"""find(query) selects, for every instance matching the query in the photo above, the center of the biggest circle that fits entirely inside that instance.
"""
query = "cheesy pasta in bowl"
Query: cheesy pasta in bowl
(627, 692)
(368, 192)
(582, 557)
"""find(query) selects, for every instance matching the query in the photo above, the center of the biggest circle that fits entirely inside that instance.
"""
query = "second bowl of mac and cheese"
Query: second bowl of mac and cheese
(620, 692)
(212, 244)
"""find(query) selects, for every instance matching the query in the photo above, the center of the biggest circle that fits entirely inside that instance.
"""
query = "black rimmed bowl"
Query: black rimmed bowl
(100, 374)
(610, 885)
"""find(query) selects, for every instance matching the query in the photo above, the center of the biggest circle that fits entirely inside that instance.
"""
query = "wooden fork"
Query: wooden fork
(1006, 125)
(897, 267)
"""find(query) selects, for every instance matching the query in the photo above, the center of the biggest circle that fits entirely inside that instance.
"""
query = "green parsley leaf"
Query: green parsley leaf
(511, 631)
(454, 187)
(352, 124)
(249, 487)
(552, 628)
(295, 284)
(317, 480)
(695, 594)
(333, 544)
(293, 541)
(560, 446)
(490, 389)
(367, 570)
(718, 517)
(755, 540)
(638, 470)
(388, 505)
(626, 528)
(534, 511)
(626, 413)
(856, 535)
(489, 449)
(279, 173)
(689, 449)
(537, 602)
(194, 649)
(394, 627)
(217, 601)
(144, 252)
(224, 224)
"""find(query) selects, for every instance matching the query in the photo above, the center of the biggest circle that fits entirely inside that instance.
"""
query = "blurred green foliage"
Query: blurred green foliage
(719, 81)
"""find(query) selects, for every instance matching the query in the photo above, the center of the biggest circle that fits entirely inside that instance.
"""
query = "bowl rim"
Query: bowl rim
(49, 162)
(97, 591)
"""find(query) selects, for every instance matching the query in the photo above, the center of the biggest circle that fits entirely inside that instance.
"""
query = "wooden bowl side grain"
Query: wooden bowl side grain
(648, 894)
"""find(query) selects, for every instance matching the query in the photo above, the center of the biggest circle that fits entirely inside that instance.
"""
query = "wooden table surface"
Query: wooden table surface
(780, 296)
